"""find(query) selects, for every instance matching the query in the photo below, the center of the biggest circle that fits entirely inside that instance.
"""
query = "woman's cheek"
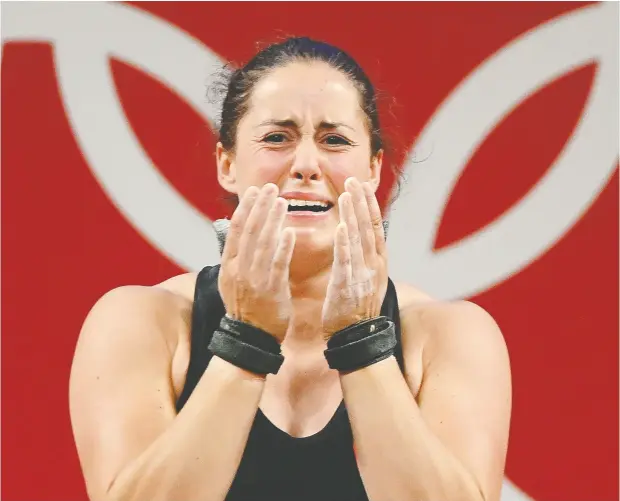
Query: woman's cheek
(271, 169)
(338, 170)
(263, 166)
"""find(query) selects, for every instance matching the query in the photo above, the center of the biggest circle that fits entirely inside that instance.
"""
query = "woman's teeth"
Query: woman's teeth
(308, 205)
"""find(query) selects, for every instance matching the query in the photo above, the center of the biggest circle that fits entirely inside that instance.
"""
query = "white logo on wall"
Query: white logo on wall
(86, 35)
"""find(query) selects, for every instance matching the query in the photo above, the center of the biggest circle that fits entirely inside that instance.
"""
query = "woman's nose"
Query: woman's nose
(306, 165)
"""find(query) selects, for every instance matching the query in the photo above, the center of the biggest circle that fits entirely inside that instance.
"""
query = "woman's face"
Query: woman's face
(305, 132)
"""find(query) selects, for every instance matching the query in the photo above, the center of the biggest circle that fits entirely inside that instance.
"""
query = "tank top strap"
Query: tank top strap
(391, 310)
(208, 309)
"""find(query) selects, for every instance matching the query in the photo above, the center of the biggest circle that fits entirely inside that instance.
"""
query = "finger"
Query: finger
(237, 222)
(281, 263)
(347, 216)
(362, 213)
(269, 237)
(376, 219)
(254, 225)
(342, 268)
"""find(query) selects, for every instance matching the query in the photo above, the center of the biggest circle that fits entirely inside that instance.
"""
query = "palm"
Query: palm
(359, 273)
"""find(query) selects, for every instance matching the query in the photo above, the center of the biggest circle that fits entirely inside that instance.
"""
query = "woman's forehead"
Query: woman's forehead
(300, 90)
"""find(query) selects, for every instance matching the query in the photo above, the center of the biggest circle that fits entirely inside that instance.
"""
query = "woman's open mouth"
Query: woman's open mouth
(308, 206)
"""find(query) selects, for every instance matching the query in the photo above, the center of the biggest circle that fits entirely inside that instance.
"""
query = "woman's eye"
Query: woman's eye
(336, 140)
(275, 138)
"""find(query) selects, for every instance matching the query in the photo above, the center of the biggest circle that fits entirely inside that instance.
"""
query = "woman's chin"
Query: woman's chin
(311, 241)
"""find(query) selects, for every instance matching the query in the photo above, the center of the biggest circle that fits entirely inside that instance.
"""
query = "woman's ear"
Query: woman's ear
(375, 170)
(226, 173)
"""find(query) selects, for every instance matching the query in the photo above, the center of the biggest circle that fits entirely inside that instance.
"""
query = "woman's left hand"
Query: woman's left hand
(359, 275)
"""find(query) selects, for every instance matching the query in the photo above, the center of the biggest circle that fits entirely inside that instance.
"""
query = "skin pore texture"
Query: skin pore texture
(443, 425)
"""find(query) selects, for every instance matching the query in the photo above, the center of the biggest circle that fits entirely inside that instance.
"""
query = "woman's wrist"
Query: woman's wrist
(254, 350)
(246, 347)
(361, 344)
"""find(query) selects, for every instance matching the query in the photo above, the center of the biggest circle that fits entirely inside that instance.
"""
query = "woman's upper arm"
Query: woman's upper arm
(466, 395)
(121, 395)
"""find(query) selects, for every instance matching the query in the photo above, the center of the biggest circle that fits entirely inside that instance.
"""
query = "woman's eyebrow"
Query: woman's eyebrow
(291, 123)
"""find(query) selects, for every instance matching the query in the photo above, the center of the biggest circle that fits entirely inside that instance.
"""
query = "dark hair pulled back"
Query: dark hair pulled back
(243, 80)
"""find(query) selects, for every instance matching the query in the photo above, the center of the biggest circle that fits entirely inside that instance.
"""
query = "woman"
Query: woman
(296, 370)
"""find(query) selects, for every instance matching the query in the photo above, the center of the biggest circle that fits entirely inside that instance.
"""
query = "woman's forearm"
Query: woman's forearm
(400, 458)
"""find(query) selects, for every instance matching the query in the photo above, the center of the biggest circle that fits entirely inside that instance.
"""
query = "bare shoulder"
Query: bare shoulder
(181, 285)
(444, 328)
(136, 308)
(138, 316)
(136, 327)
(408, 295)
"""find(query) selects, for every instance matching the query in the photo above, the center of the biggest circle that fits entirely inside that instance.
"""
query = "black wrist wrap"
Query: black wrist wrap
(361, 344)
(246, 347)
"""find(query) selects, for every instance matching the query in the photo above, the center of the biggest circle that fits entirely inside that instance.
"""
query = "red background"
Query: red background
(64, 243)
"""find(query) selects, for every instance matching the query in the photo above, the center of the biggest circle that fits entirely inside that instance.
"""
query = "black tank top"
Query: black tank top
(276, 466)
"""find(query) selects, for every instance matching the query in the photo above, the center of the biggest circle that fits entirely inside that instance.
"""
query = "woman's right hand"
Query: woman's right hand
(254, 275)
